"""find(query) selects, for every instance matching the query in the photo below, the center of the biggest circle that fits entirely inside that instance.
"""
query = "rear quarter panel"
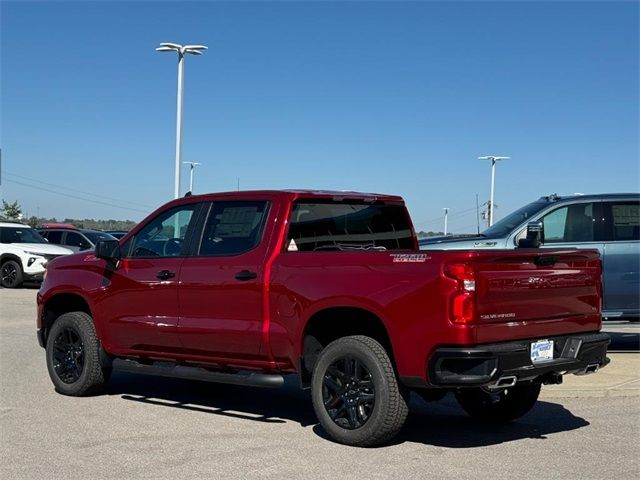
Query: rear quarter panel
(409, 297)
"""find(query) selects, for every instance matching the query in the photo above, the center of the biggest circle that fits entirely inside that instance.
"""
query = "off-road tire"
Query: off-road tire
(499, 407)
(390, 405)
(95, 367)
(11, 275)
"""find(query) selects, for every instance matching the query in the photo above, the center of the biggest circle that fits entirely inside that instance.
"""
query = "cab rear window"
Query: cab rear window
(354, 226)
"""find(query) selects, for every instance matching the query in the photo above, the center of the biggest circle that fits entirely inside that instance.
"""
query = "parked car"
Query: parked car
(609, 223)
(245, 287)
(24, 254)
(74, 238)
(117, 233)
(58, 225)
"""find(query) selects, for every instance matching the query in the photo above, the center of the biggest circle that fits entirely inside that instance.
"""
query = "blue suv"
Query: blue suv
(607, 222)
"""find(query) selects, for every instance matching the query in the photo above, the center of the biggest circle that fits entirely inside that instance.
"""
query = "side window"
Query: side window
(54, 237)
(570, 224)
(163, 236)
(76, 240)
(233, 228)
(625, 218)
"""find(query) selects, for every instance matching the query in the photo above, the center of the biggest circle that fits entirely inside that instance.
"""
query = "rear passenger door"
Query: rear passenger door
(221, 283)
(621, 260)
(52, 236)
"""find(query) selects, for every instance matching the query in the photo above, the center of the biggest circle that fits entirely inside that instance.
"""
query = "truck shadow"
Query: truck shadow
(440, 423)
(444, 424)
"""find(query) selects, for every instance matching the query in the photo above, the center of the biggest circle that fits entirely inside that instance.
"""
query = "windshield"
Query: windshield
(505, 226)
(20, 235)
(96, 236)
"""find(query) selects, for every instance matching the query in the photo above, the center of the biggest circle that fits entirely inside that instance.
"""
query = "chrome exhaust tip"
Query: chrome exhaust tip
(503, 382)
(591, 368)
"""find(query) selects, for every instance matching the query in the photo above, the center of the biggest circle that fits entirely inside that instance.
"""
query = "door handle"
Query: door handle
(245, 275)
(165, 275)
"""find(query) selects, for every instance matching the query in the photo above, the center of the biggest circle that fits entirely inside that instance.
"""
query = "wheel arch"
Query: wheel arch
(331, 323)
(11, 256)
(59, 304)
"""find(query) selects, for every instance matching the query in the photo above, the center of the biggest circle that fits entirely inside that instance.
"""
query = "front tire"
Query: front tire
(11, 275)
(499, 407)
(355, 392)
(74, 357)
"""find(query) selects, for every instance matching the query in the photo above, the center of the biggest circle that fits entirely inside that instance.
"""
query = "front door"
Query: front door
(577, 225)
(140, 304)
(221, 285)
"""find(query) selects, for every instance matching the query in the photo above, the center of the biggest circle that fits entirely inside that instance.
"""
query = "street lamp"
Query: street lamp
(191, 169)
(494, 159)
(182, 50)
(446, 214)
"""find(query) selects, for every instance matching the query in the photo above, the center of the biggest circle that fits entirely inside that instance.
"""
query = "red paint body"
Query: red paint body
(205, 316)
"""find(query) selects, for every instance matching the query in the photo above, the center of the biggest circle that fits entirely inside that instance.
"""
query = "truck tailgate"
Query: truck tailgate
(525, 286)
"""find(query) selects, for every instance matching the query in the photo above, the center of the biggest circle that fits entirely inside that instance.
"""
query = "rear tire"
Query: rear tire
(11, 275)
(499, 407)
(75, 359)
(355, 392)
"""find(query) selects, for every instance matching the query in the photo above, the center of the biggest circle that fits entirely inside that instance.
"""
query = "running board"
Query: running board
(249, 379)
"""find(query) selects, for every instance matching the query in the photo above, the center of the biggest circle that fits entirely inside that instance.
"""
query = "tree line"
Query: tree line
(12, 212)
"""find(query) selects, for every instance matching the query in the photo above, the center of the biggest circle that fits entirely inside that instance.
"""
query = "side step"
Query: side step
(162, 369)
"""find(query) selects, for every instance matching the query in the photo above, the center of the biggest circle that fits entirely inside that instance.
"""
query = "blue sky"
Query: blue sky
(385, 97)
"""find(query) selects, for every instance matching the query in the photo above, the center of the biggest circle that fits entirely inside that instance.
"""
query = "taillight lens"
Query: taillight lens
(463, 303)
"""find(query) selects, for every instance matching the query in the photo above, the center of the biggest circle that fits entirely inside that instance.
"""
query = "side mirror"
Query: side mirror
(535, 236)
(108, 250)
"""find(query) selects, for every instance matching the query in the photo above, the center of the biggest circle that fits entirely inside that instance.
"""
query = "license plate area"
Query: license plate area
(541, 351)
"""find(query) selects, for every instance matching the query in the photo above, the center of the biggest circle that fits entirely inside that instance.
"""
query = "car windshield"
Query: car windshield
(20, 235)
(506, 225)
(97, 236)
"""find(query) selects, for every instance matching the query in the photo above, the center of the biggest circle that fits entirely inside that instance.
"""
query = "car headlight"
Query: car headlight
(34, 253)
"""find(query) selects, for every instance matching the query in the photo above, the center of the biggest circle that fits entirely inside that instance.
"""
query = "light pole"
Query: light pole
(192, 166)
(494, 159)
(446, 214)
(182, 50)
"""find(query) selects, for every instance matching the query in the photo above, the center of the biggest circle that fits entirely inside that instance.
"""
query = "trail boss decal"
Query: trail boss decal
(410, 257)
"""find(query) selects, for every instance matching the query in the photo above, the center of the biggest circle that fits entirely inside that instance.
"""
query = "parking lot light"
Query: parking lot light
(494, 159)
(192, 166)
(182, 50)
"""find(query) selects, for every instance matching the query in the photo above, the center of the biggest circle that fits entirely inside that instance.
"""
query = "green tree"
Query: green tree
(11, 211)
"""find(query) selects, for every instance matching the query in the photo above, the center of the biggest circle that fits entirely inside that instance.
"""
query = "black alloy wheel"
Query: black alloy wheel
(348, 393)
(76, 361)
(10, 274)
(68, 355)
(355, 392)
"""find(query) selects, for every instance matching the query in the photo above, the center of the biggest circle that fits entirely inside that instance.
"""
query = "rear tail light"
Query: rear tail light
(463, 302)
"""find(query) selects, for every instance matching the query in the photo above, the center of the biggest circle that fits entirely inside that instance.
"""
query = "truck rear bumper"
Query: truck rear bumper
(487, 364)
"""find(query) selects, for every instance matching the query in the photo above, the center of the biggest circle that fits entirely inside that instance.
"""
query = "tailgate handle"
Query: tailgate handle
(545, 261)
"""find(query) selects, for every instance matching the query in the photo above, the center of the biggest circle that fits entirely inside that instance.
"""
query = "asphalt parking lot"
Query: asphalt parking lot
(145, 427)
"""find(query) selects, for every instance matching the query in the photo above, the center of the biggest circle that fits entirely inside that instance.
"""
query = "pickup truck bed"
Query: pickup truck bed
(245, 287)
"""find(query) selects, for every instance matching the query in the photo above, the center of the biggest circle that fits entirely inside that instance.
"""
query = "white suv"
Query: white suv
(24, 254)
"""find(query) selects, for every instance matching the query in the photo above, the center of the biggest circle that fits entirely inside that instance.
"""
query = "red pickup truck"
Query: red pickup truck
(247, 287)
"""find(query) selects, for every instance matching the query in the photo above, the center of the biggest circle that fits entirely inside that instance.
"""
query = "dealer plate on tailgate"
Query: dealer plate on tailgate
(541, 351)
